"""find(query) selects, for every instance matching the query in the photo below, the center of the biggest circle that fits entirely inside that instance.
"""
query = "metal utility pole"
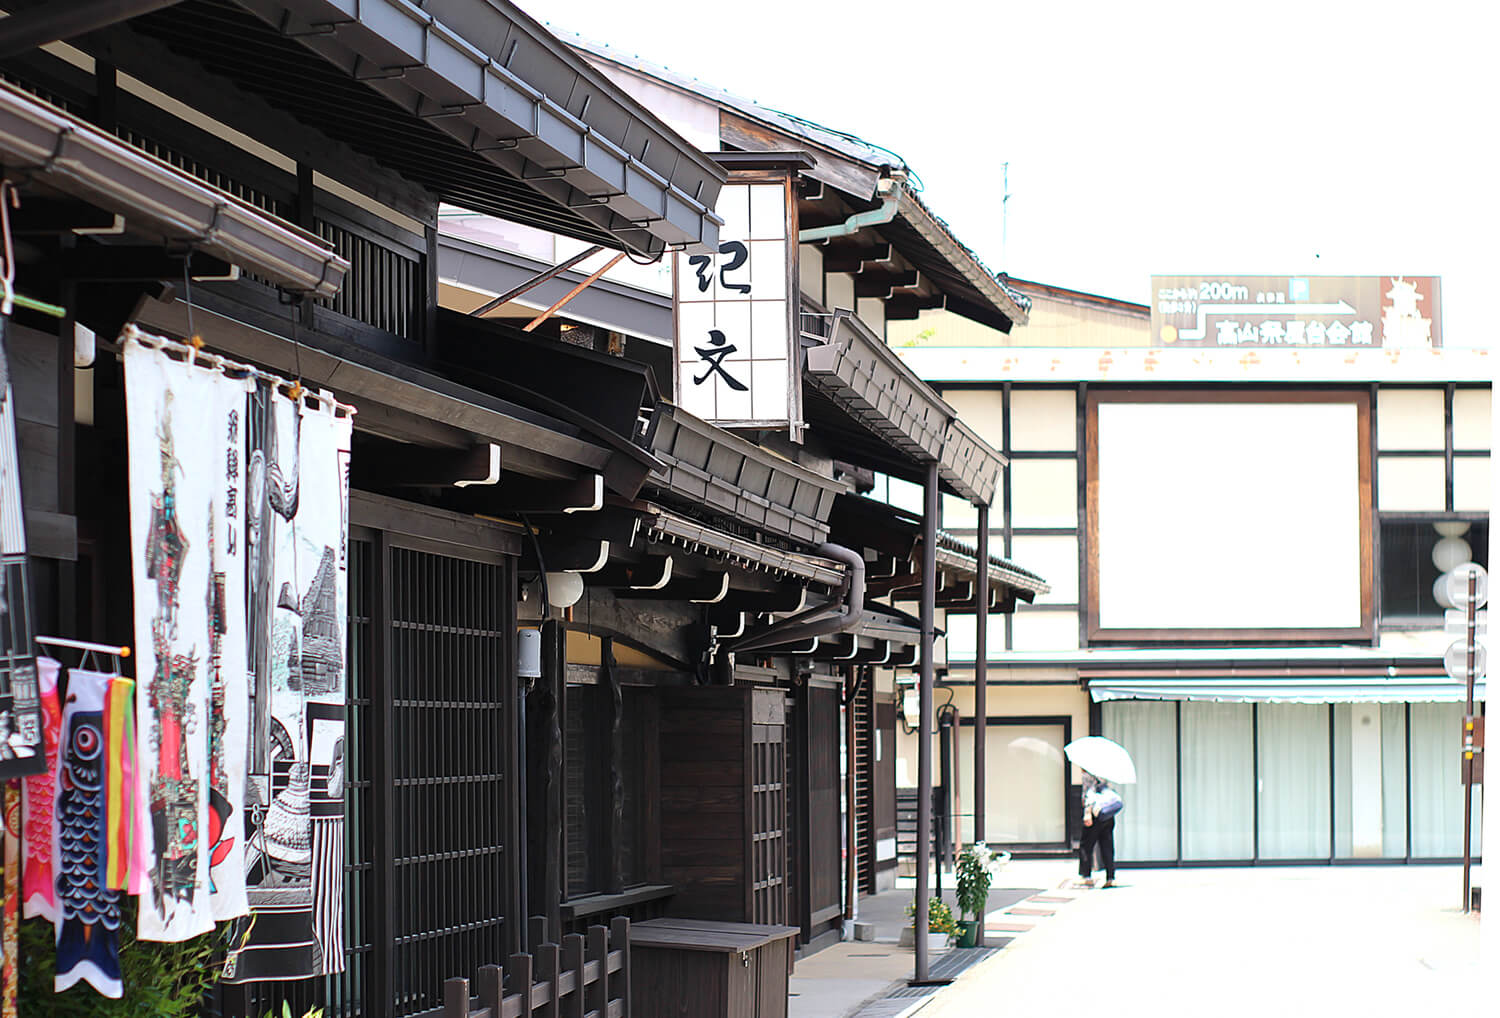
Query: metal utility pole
(1471, 609)
(981, 666)
(924, 718)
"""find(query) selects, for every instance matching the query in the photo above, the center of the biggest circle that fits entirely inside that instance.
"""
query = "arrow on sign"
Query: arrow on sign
(1336, 308)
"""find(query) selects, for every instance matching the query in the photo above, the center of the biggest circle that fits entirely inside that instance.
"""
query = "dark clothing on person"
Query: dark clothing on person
(1099, 834)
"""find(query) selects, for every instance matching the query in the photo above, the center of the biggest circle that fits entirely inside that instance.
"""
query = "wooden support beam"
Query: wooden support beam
(905, 657)
(728, 622)
(402, 466)
(789, 598)
(51, 22)
(648, 576)
(42, 216)
(870, 284)
(517, 493)
(955, 594)
(669, 630)
(122, 263)
(905, 309)
(709, 588)
(854, 256)
(908, 578)
(583, 555)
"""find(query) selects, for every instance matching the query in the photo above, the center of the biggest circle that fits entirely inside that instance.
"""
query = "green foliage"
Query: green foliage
(161, 980)
(939, 916)
(974, 878)
(286, 1012)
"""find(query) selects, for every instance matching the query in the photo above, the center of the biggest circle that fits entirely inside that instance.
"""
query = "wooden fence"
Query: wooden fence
(586, 976)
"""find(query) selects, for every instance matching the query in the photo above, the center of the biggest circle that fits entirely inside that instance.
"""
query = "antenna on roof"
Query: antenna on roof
(1004, 212)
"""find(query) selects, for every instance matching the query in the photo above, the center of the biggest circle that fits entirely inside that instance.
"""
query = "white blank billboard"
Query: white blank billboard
(1228, 515)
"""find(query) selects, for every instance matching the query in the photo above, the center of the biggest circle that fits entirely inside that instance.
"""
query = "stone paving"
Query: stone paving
(1366, 940)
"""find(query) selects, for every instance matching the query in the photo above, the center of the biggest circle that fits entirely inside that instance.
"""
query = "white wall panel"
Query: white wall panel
(1043, 420)
(1471, 418)
(1411, 484)
(1043, 493)
(1409, 419)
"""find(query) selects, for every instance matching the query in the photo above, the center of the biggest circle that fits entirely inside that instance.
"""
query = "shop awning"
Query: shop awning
(470, 98)
(1289, 689)
(710, 467)
(961, 558)
(157, 199)
(658, 524)
(855, 370)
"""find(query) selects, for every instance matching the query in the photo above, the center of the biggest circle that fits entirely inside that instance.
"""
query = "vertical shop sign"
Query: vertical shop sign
(736, 336)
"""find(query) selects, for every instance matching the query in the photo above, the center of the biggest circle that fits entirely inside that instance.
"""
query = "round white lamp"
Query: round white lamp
(1451, 528)
(1440, 591)
(1450, 553)
(564, 589)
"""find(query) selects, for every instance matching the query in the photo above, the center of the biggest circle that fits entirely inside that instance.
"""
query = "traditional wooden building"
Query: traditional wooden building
(268, 178)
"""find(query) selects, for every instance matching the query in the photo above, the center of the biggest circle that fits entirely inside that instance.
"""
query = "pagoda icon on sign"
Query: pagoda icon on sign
(1401, 321)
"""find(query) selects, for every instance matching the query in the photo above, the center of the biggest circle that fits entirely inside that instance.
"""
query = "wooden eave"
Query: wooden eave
(72, 157)
(471, 99)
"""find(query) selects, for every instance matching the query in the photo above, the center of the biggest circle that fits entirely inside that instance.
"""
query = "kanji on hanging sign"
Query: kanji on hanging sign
(736, 363)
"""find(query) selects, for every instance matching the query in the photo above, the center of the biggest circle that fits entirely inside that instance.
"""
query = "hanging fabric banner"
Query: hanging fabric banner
(186, 501)
(20, 723)
(11, 973)
(38, 889)
(123, 831)
(88, 923)
(297, 526)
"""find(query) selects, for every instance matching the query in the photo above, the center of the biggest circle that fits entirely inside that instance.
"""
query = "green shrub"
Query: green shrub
(974, 877)
(161, 980)
(939, 916)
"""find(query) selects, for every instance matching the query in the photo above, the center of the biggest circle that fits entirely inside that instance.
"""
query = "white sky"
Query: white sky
(1148, 138)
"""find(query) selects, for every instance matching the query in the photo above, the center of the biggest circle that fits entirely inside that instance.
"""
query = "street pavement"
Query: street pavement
(1372, 941)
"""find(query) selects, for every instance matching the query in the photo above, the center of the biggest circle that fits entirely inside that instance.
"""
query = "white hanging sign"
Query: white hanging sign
(736, 354)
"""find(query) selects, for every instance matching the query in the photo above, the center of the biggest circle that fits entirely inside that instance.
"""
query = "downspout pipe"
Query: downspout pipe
(890, 191)
(841, 619)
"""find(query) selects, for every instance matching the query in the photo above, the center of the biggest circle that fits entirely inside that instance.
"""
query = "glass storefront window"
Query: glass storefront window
(1147, 830)
(1292, 782)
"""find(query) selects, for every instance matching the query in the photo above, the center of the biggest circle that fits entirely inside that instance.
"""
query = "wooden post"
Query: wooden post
(519, 971)
(619, 940)
(547, 970)
(597, 995)
(537, 932)
(572, 961)
(456, 998)
(614, 818)
(490, 988)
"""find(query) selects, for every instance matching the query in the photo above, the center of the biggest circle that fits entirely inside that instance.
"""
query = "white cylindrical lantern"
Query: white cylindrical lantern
(1450, 553)
(564, 589)
(1440, 592)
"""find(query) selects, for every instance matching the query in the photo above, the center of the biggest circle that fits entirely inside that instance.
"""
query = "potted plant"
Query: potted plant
(940, 925)
(975, 871)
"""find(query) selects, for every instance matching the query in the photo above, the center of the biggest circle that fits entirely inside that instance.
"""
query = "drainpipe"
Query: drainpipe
(889, 189)
(842, 618)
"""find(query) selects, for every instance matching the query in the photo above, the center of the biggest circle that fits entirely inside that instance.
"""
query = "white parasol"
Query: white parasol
(1102, 758)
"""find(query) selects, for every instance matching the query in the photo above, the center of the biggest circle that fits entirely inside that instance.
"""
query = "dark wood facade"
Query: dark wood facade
(650, 774)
